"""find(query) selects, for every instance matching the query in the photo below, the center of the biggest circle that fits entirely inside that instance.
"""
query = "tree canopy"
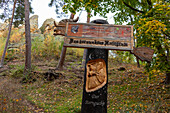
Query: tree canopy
(19, 15)
(149, 17)
(153, 31)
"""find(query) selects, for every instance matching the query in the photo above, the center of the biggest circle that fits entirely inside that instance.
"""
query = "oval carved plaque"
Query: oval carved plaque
(96, 76)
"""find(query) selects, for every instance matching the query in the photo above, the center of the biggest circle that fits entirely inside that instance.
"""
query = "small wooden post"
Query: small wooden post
(63, 52)
(95, 79)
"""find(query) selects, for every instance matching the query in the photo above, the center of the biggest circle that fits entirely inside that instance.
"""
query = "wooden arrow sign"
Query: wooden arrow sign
(143, 53)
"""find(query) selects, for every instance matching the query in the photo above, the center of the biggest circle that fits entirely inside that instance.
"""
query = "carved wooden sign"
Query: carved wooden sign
(103, 36)
(89, 35)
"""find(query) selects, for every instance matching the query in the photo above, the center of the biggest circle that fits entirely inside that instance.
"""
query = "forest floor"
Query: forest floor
(49, 90)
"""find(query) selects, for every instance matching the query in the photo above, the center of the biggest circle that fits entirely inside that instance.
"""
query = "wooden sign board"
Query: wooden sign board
(143, 53)
(89, 35)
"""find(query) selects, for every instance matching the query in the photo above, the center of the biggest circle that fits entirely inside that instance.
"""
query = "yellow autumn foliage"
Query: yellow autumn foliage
(46, 47)
(2, 45)
(15, 37)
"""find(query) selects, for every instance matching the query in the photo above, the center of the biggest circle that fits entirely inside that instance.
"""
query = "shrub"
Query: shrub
(15, 36)
(2, 45)
(45, 48)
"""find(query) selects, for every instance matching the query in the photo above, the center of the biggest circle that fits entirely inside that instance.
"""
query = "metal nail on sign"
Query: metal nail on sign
(89, 35)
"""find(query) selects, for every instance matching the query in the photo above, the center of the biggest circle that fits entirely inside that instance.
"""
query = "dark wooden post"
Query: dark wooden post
(95, 79)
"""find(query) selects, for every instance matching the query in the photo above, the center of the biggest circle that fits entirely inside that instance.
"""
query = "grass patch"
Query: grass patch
(128, 91)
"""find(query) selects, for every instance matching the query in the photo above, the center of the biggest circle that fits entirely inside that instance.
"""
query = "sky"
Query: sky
(41, 8)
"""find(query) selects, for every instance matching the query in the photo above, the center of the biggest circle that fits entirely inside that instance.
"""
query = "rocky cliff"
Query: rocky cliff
(47, 26)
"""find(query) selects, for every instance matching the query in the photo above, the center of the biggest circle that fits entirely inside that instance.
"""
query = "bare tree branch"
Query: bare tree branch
(133, 8)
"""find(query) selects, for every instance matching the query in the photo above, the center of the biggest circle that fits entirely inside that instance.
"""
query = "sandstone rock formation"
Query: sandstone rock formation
(34, 22)
(33, 25)
(19, 32)
(47, 26)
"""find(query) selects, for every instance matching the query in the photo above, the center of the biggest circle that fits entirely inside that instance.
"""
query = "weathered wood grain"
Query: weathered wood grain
(144, 53)
(98, 43)
(96, 74)
(59, 30)
(83, 35)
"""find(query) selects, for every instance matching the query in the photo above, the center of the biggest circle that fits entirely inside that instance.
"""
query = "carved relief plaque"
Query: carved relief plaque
(96, 76)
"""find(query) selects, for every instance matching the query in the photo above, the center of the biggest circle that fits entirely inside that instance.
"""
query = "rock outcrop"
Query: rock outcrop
(34, 22)
(18, 34)
(47, 26)
(33, 25)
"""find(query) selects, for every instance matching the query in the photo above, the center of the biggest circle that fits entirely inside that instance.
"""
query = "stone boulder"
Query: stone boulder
(33, 25)
(47, 26)
(34, 22)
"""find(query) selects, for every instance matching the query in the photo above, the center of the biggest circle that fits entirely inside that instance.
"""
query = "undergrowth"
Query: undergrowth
(129, 90)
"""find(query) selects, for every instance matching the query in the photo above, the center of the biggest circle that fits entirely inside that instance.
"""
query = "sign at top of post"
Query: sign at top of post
(105, 36)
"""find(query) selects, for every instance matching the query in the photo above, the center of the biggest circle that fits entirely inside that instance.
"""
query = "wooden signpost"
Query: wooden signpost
(99, 37)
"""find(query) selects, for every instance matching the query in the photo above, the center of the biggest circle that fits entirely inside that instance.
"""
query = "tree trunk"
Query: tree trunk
(63, 52)
(62, 58)
(88, 17)
(28, 39)
(84, 57)
(9, 32)
(138, 64)
(85, 50)
(71, 16)
(167, 80)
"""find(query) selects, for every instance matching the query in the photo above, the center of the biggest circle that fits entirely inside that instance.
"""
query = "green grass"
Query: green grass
(128, 91)
(137, 94)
